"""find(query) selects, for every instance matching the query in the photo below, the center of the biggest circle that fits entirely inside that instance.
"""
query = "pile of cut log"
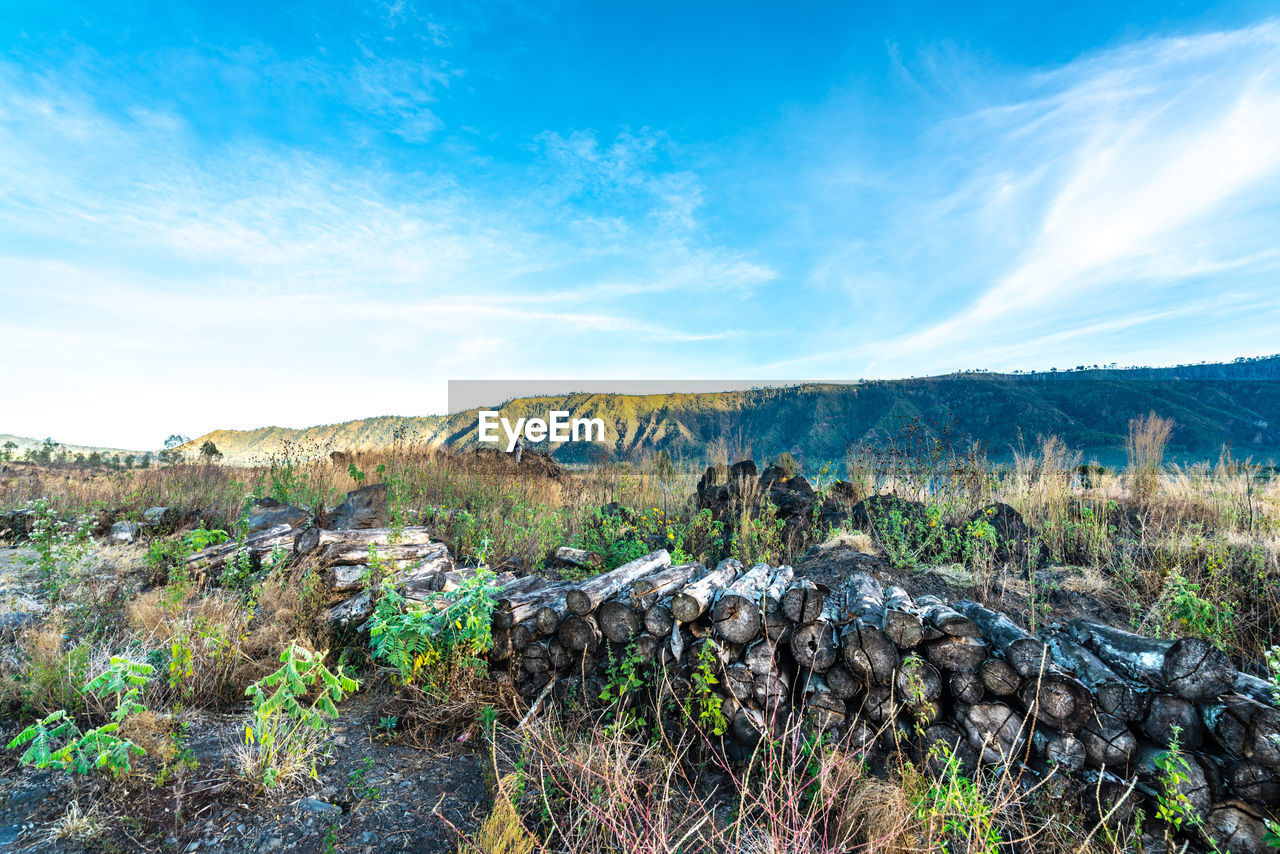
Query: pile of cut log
(1087, 711)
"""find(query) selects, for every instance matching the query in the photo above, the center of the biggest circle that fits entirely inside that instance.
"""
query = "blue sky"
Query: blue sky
(238, 214)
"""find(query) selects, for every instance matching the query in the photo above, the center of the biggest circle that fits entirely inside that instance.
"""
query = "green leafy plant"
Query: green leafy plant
(1186, 609)
(99, 748)
(1172, 806)
(290, 707)
(59, 546)
(624, 676)
(704, 705)
(426, 644)
(952, 806)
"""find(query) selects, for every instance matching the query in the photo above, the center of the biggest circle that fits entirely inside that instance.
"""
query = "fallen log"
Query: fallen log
(737, 614)
(1169, 717)
(258, 545)
(902, 622)
(581, 558)
(551, 612)
(647, 591)
(940, 616)
(999, 678)
(588, 595)
(959, 652)
(618, 621)
(580, 633)
(1236, 830)
(1027, 655)
(658, 619)
(1191, 780)
(814, 644)
(776, 625)
(867, 651)
(310, 539)
(696, 597)
(1108, 743)
(1061, 749)
(521, 601)
(1258, 690)
(802, 603)
(966, 686)
(1189, 667)
(338, 553)
(1246, 730)
(1254, 784)
(938, 745)
(841, 682)
(1115, 696)
(918, 682)
(996, 731)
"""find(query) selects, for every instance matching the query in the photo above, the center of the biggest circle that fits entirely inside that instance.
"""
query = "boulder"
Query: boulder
(365, 507)
(1016, 541)
(161, 518)
(268, 513)
(123, 532)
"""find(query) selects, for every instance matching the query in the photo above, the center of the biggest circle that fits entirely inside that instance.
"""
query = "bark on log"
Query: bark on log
(1189, 667)
(1245, 729)
(995, 730)
(941, 616)
(1258, 690)
(1115, 696)
(1058, 699)
(1167, 713)
(618, 621)
(902, 622)
(551, 613)
(1025, 653)
(340, 553)
(309, 540)
(1236, 831)
(738, 614)
(823, 710)
(694, 600)
(841, 682)
(1107, 742)
(520, 602)
(867, 651)
(777, 627)
(803, 601)
(645, 592)
(1109, 797)
(259, 544)
(569, 556)
(588, 595)
(1254, 784)
(1198, 787)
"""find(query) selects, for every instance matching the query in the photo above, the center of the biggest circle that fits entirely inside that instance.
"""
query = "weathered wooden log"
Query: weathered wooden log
(1253, 783)
(771, 692)
(580, 633)
(1061, 749)
(956, 652)
(551, 612)
(996, 731)
(902, 622)
(823, 710)
(1027, 655)
(918, 682)
(536, 660)
(1058, 699)
(1258, 690)
(587, 596)
(520, 602)
(341, 553)
(967, 687)
(740, 682)
(777, 627)
(258, 545)
(309, 540)
(861, 737)
(509, 642)
(747, 727)
(658, 619)
(942, 617)
(738, 614)
(841, 682)
(1115, 696)
(581, 558)
(696, 597)
(999, 678)
(802, 602)
(1169, 717)
(1246, 730)
(759, 657)
(647, 591)
(814, 644)
(866, 650)
(618, 621)
(1108, 743)
(881, 704)
(1234, 829)
(1189, 667)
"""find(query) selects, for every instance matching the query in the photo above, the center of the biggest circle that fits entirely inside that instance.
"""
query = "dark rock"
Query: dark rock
(743, 470)
(124, 532)
(267, 513)
(161, 519)
(772, 475)
(365, 507)
(801, 484)
(789, 502)
(1016, 541)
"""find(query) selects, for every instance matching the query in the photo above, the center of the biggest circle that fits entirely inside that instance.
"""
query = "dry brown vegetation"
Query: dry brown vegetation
(1179, 550)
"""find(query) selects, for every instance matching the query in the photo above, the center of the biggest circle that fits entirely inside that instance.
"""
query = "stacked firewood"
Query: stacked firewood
(1089, 712)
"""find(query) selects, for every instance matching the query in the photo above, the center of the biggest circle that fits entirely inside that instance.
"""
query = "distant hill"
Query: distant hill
(25, 443)
(1235, 403)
